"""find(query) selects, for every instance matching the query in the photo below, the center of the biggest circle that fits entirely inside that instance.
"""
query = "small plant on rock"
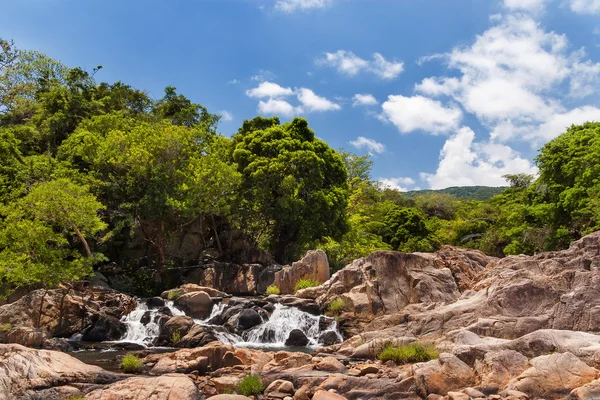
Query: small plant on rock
(250, 386)
(305, 284)
(174, 295)
(336, 307)
(131, 364)
(175, 337)
(5, 327)
(411, 353)
(273, 290)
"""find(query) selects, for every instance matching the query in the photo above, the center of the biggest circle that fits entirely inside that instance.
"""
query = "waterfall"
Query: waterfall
(142, 334)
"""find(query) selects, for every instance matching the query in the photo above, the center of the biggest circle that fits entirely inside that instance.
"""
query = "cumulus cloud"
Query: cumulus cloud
(278, 107)
(263, 75)
(226, 116)
(420, 113)
(525, 5)
(348, 63)
(399, 184)
(464, 162)
(312, 102)
(585, 6)
(269, 89)
(364, 100)
(290, 6)
(369, 144)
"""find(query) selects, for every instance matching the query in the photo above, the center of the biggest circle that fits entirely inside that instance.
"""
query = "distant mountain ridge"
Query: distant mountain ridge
(463, 192)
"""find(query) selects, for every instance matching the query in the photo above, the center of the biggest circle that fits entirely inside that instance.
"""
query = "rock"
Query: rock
(226, 383)
(228, 397)
(471, 392)
(328, 338)
(30, 337)
(235, 279)
(314, 265)
(364, 369)
(190, 288)
(180, 323)
(443, 375)
(164, 387)
(279, 389)
(297, 338)
(498, 368)
(155, 302)
(324, 395)
(195, 304)
(249, 319)
(104, 328)
(197, 336)
(186, 360)
(330, 364)
(23, 370)
(554, 375)
(306, 305)
(589, 391)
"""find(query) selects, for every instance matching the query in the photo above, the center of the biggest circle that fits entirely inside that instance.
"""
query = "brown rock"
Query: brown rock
(165, 387)
(314, 265)
(195, 304)
(225, 383)
(279, 389)
(498, 368)
(180, 323)
(365, 369)
(443, 375)
(589, 391)
(228, 397)
(458, 396)
(325, 395)
(330, 364)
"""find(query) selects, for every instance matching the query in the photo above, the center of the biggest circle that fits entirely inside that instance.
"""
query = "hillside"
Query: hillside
(463, 192)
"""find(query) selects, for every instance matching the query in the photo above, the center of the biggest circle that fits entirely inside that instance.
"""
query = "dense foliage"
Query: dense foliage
(90, 170)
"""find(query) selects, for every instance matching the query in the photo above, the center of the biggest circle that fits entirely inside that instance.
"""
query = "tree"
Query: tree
(37, 232)
(294, 180)
(179, 110)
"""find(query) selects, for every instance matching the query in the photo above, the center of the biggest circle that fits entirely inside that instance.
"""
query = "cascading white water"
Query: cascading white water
(217, 309)
(142, 334)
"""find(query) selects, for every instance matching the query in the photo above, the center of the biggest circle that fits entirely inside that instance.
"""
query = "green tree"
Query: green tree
(295, 181)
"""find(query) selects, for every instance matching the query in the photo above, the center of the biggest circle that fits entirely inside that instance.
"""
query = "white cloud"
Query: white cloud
(269, 89)
(364, 100)
(348, 63)
(420, 113)
(264, 75)
(233, 82)
(464, 162)
(278, 107)
(369, 144)
(312, 102)
(559, 123)
(289, 6)
(525, 5)
(397, 183)
(585, 6)
(226, 115)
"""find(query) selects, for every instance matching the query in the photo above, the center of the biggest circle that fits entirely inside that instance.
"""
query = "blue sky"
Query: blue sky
(440, 92)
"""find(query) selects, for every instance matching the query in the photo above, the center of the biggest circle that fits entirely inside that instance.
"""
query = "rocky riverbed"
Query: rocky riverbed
(522, 327)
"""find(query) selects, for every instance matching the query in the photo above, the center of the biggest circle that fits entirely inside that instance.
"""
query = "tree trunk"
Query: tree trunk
(86, 246)
(212, 217)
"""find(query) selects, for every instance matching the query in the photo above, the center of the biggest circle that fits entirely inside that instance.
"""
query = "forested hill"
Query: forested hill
(463, 192)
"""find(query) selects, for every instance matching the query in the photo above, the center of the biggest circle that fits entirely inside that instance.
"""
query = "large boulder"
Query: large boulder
(314, 266)
(296, 338)
(235, 279)
(443, 375)
(195, 304)
(180, 323)
(249, 319)
(164, 387)
(23, 370)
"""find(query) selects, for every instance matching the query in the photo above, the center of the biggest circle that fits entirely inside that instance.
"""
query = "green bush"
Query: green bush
(411, 353)
(336, 307)
(250, 386)
(175, 337)
(306, 283)
(273, 290)
(131, 364)
(174, 295)
(5, 327)
(76, 398)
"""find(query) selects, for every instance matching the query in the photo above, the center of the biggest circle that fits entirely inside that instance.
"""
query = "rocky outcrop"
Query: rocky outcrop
(195, 304)
(313, 266)
(235, 279)
(25, 372)
(66, 312)
(165, 387)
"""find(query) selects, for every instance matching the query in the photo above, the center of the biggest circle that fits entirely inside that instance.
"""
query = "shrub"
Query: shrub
(5, 327)
(174, 295)
(76, 398)
(175, 337)
(250, 386)
(306, 283)
(131, 364)
(411, 353)
(273, 290)
(336, 307)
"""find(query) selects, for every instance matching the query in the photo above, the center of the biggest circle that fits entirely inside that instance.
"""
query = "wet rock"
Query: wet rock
(297, 338)
(195, 304)
(249, 319)
(155, 302)
(328, 338)
(197, 336)
(103, 328)
(314, 265)
(164, 387)
(180, 323)
(306, 305)
(165, 311)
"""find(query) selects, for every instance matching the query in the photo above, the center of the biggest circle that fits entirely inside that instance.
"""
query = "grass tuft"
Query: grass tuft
(336, 307)
(5, 327)
(174, 295)
(273, 290)
(175, 337)
(305, 284)
(411, 353)
(131, 364)
(250, 386)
